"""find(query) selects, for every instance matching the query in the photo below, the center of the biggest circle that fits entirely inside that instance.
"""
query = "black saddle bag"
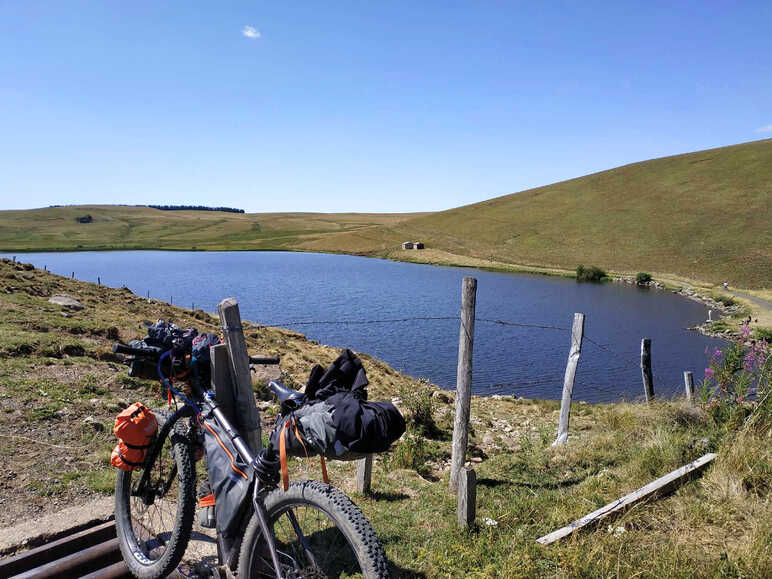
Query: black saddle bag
(337, 421)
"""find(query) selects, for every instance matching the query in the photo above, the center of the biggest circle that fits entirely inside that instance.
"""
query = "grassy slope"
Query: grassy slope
(702, 215)
(55, 370)
(116, 227)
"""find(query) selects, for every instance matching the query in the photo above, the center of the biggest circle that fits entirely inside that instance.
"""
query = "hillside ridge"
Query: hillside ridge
(702, 215)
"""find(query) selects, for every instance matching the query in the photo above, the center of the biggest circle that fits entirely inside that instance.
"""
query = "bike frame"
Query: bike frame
(204, 402)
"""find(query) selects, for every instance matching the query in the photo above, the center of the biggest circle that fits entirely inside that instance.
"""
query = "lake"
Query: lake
(390, 310)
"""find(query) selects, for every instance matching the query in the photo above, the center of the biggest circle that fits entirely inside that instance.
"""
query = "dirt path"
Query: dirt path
(761, 302)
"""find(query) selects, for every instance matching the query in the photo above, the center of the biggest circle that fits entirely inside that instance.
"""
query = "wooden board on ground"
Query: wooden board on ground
(628, 500)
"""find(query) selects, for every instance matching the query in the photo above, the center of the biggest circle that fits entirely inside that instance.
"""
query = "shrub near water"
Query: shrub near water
(589, 273)
(642, 278)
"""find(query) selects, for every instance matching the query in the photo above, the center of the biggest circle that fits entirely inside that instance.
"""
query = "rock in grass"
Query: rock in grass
(66, 301)
(94, 423)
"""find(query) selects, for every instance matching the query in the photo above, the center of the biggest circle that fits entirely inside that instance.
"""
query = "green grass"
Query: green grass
(118, 227)
(701, 215)
(718, 524)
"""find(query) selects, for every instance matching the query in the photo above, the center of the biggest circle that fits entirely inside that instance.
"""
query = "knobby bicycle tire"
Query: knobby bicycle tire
(153, 530)
(338, 535)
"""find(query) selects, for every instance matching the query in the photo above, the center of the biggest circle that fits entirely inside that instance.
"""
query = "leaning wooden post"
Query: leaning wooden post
(648, 378)
(222, 383)
(577, 333)
(689, 386)
(467, 498)
(463, 379)
(243, 396)
(364, 474)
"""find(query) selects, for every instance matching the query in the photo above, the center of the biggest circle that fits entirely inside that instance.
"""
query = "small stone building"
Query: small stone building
(418, 245)
(407, 245)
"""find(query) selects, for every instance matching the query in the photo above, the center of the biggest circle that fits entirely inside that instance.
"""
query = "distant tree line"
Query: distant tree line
(195, 208)
(171, 207)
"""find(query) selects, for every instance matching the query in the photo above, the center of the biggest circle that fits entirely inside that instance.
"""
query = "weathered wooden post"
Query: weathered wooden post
(463, 379)
(73, 275)
(577, 333)
(99, 280)
(689, 386)
(467, 498)
(243, 396)
(222, 383)
(364, 474)
(648, 378)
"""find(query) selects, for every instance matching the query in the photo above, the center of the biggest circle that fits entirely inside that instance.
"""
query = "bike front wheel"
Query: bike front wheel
(154, 506)
(319, 532)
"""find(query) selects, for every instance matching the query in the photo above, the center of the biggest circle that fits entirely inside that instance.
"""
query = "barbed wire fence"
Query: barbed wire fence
(627, 361)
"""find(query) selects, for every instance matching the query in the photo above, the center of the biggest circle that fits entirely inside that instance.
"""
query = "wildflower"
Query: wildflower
(716, 353)
(745, 330)
(616, 531)
(709, 373)
(490, 522)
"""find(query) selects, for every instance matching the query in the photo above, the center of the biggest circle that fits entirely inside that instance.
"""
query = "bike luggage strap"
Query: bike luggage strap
(283, 453)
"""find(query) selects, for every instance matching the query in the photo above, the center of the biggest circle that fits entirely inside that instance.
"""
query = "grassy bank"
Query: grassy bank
(121, 227)
(60, 386)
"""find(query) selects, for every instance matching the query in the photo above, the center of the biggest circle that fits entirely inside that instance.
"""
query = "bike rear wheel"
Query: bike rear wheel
(154, 516)
(319, 532)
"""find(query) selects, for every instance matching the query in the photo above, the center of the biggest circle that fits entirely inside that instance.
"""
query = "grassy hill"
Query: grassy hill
(61, 386)
(703, 215)
(120, 227)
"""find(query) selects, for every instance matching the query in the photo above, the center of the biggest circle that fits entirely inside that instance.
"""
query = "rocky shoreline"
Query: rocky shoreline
(707, 327)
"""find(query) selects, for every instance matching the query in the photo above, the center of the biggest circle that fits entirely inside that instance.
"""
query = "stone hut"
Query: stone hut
(407, 245)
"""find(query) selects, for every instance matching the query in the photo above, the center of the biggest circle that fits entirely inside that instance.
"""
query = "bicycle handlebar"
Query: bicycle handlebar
(156, 352)
(265, 361)
(130, 351)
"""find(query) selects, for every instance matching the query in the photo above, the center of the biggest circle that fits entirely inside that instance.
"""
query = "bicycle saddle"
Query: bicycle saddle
(289, 399)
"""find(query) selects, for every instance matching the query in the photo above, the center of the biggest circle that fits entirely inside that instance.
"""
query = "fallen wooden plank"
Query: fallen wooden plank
(628, 500)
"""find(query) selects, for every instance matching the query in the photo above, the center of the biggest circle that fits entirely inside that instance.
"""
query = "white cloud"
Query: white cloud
(764, 129)
(250, 32)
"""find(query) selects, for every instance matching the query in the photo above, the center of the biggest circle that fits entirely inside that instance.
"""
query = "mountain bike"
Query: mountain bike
(310, 530)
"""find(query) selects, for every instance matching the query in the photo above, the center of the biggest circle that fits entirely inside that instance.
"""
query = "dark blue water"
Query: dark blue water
(289, 289)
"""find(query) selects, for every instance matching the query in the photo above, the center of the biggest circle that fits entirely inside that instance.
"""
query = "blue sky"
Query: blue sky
(363, 106)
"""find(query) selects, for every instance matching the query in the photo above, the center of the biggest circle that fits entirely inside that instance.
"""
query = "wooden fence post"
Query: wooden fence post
(577, 333)
(689, 385)
(364, 474)
(244, 398)
(463, 379)
(222, 383)
(467, 498)
(648, 378)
